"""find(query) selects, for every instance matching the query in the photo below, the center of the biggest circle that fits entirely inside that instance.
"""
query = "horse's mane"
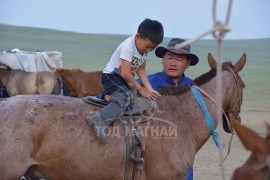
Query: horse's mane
(174, 90)
(204, 78)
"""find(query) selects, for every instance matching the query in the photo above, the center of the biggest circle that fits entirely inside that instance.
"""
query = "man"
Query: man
(175, 62)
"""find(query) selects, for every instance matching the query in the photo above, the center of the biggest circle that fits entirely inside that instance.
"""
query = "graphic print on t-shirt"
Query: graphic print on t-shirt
(136, 63)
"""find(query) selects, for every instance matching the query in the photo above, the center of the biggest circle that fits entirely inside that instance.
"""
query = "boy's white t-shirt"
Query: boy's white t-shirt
(126, 50)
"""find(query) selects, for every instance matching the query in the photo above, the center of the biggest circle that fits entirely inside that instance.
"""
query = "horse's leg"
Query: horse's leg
(33, 174)
(58, 86)
(66, 91)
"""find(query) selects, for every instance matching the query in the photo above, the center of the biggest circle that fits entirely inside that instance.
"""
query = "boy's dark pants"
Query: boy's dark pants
(121, 98)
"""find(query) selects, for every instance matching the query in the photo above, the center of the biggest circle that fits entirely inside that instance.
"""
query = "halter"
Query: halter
(212, 99)
(263, 166)
(238, 90)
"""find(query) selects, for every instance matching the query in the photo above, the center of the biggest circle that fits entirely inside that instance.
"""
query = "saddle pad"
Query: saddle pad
(139, 106)
(32, 61)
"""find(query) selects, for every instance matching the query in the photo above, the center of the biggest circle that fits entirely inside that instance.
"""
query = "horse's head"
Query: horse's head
(258, 164)
(234, 101)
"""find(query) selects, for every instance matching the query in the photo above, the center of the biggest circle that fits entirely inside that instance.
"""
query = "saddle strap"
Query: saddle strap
(131, 154)
(126, 176)
(139, 143)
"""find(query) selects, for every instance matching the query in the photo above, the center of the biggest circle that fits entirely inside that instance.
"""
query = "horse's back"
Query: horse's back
(22, 82)
(25, 118)
(50, 132)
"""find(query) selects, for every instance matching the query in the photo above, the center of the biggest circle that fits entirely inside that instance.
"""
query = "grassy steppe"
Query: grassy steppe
(92, 51)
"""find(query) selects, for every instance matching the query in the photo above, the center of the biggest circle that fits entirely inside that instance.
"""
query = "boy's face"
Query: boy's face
(144, 45)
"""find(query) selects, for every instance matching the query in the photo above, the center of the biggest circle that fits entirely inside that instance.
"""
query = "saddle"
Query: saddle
(139, 106)
(141, 111)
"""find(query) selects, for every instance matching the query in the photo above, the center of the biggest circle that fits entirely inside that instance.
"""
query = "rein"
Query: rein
(263, 166)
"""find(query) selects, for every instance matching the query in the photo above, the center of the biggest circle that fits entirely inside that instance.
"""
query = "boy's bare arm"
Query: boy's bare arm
(142, 74)
(126, 74)
(143, 77)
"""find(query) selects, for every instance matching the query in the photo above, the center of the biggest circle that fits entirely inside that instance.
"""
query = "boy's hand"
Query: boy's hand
(150, 95)
(155, 92)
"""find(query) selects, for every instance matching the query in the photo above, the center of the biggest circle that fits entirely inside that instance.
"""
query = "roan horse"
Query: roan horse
(257, 167)
(47, 136)
(21, 82)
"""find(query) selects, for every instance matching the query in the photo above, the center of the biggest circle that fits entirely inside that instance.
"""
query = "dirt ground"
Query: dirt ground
(206, 166)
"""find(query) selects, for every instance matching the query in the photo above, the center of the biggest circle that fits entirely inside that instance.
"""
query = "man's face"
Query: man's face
(175, 65)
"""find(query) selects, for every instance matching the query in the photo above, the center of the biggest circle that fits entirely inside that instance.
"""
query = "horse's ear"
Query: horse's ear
(211, 61)
(249, 138)
(241, 63)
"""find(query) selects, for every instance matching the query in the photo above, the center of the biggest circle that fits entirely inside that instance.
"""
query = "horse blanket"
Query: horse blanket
(32, 61)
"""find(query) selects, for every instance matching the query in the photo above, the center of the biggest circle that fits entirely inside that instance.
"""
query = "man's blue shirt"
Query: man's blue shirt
(161, 79)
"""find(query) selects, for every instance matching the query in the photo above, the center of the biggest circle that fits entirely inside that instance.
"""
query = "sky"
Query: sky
(249, 19)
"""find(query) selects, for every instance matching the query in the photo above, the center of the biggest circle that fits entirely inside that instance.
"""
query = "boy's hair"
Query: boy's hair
(151, 29)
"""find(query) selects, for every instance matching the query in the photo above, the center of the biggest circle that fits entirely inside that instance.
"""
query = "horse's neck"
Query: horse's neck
(227, 95)
(185, 112)
(226, 92)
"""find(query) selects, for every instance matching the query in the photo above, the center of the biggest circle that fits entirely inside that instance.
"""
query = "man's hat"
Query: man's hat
(160, 51)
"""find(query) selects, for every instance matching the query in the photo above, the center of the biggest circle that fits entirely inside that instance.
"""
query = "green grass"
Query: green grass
(91, 52)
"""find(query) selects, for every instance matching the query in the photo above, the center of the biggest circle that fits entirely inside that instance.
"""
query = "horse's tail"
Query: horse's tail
(58, 86)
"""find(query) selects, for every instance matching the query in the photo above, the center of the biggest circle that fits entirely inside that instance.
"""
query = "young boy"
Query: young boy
(118, 76)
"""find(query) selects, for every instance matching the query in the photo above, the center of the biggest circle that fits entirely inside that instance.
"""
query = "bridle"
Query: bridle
(238, 90)
(231, 110)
